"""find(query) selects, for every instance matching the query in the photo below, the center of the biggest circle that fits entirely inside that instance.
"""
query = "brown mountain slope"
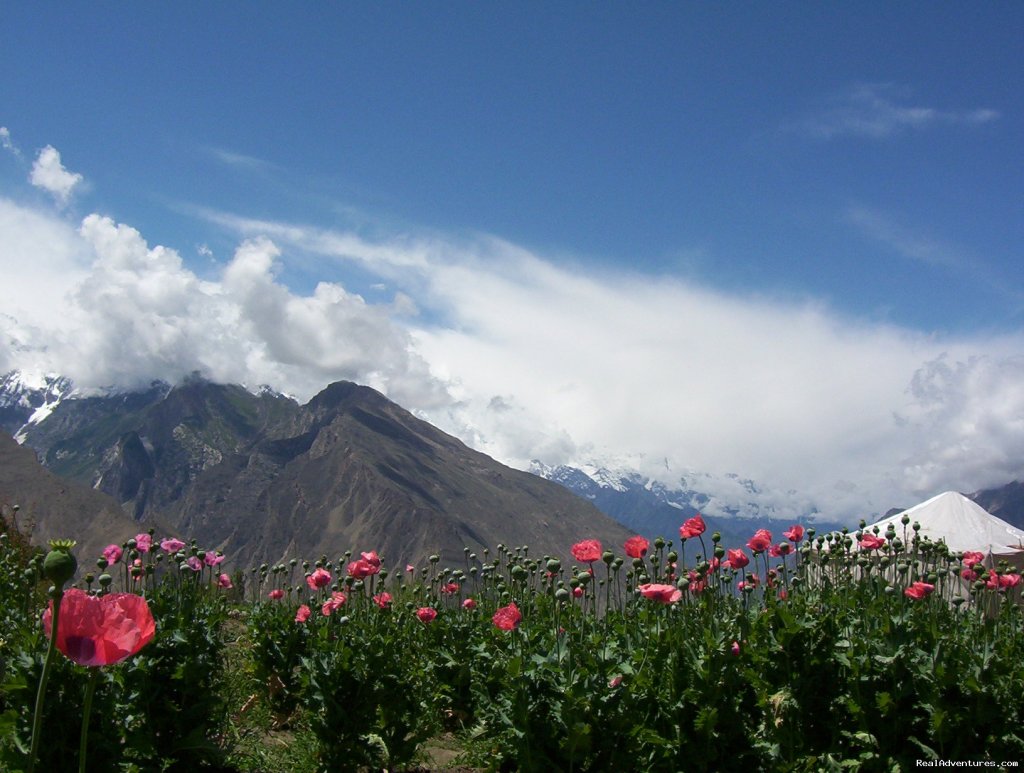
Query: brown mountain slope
(55, 508)
(365, 474)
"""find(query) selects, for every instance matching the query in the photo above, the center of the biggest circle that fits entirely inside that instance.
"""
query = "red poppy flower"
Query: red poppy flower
(693, 527)
(736, 558)
(919, 590)
(972, 557)
(101, 630)
(507, 618)
(761, 541)
(663, 594)
(795, 534)
(577, 591)
(336, 600)
(637, 547)
(361, 568)
(303, 614)
(468, 604)
(871, 542)
(1009, 580)
(587, 551)
(697, 583)
(782, 549)
(372, 559)
(319, 578)
(449, 588)
(426, 614)
(383, 600)
(277, 594)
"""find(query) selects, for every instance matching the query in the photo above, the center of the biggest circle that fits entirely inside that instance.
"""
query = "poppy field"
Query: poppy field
(794, 652)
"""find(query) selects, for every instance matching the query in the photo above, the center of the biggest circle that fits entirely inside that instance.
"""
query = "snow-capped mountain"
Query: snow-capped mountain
(731, 505)
(28, 398)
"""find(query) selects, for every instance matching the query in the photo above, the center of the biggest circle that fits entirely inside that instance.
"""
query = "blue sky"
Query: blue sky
(745, 191)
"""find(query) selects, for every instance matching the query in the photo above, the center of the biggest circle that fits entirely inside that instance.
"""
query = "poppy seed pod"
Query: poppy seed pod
(59, 566)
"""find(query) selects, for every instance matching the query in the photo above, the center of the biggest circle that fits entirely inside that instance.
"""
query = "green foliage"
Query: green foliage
(842, 671)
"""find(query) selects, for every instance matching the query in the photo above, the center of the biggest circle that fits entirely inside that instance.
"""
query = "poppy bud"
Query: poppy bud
(672, 556)
(719, 552)
(434, 559)
(659, 543)
(608, 557)
(101, 564)
(59, 566)
(554, 566)
(562, 594)
(716, 537)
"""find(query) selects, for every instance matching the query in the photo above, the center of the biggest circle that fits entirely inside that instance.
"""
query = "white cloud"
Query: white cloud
(878, 110)
(49, 174)
(547, 360)
(7, 143)
(524, 358)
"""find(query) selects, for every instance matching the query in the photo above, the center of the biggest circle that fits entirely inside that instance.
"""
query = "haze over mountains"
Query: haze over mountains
(262, 477)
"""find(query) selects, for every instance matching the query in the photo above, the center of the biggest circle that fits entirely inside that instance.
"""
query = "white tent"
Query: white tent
(962, 524)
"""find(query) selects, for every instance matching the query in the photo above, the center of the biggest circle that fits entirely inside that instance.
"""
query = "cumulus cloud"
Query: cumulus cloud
(49, 174)
(880, 110)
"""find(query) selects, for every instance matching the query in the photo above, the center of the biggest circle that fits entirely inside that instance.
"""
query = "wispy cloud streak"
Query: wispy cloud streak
(879, 111)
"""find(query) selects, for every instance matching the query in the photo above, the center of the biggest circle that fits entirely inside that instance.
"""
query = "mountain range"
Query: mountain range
(256, 474)
(263, 478)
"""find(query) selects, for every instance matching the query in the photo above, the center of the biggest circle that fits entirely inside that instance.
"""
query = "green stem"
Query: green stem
(37, 719)
(94, 677)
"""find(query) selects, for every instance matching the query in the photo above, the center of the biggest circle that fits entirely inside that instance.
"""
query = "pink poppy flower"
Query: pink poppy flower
(735, 648)
(918, 590)
(736, 558)
(277, 594)
(795, 534)
(692, 527)
(969, 574)
(194, 564)
(972, 557)
(303, 614)
(615, 681)
(112, 553)
(637, 547)
(507, 618)
(336, 601)
(761, 541)
(426, 614)
(383, 600)
(410, 568)
(371, 558)
(143, 542)
(871, 541)
(171, 545)
(224, 582)
(697, 583)
(468, 604)
(663, 594)
(101, 630)
(212, 558)
(318, 578)
(752, 581)
(1009, 580)
(587, 551)
(781, 549)
(361, 569)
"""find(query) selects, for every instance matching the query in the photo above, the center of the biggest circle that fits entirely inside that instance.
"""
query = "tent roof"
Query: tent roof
(959, 522)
